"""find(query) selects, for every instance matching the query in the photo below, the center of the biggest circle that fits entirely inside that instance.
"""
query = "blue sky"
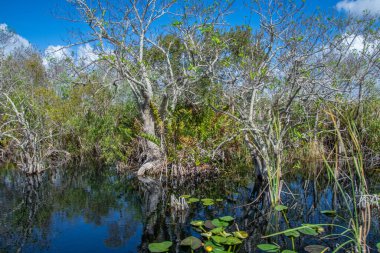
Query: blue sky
(37, 21)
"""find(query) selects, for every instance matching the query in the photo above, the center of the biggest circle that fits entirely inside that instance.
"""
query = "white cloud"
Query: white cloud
(86, 54)
(55, 54)
(358, 7)
(11, 41)
(356, 43)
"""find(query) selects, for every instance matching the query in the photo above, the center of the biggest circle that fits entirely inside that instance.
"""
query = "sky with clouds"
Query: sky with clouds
(38, 22)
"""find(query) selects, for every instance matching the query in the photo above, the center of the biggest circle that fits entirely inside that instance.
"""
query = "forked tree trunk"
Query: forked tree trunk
(154, 157)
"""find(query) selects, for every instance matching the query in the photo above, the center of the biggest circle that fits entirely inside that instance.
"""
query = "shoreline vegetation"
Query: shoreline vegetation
(173, 90)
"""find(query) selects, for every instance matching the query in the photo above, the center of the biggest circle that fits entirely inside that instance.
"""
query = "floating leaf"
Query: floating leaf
(308, 231)
(240, 234)
(197, 223)
(269, 247)
(219, 200)
(288, 251)
(227, 218)
(192, 200)
(316, 248)
(207, 202)
(219, 223)
(292, 233)
(225, 234)
(217, 230)
(210, 246)
(233, 241)
(207, 234)
(185, 196)
(331, 213)
(219, 239)
(281, 208)
(208, 224)
(378, 245)
(160, 246)
(192, 241)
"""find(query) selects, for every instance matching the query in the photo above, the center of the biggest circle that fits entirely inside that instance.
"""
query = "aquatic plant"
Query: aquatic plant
(215, 238)
(160, 246)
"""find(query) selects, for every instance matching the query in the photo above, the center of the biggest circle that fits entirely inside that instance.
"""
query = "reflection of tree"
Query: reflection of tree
(28, 204)
(25, 211)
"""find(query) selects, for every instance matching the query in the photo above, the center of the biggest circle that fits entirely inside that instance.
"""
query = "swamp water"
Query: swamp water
(97, 210)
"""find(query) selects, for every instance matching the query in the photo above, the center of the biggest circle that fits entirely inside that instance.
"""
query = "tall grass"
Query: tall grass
(355, 188)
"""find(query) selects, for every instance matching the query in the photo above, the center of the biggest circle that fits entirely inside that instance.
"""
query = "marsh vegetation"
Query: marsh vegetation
(180, 132)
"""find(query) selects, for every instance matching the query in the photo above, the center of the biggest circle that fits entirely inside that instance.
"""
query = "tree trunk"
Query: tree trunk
(154, 158)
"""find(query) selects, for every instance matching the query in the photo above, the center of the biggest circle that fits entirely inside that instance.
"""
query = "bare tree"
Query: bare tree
(128, 38)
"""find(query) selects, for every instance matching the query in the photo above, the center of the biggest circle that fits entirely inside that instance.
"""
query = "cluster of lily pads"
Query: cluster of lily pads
(206, 201)
(214, 237)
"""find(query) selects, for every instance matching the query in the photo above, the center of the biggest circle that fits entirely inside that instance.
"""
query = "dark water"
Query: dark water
(96, 210)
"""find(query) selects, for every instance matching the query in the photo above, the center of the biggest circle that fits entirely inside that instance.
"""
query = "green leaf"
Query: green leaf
(192, 200)
(378, 245)
(233, 241)
(160, 246)
(269, 247)
(185, 196)
(288, 251)
(217, 230)
(192, 241)
(329, 212)
(206, 234)
(197, 223)
(215, 248)
(219, 223)
(226, 218)
(240, 234)
(219, 239)
(207, 202)
(280, 208)
(308, 231)
(292, 233)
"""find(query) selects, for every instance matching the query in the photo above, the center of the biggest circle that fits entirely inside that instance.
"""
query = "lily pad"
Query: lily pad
(217, 230)
(268, 247)
(233, 241)
(281, 208)
(219, 239)
(292, 233)
(288, 251)
(206, 234)
(225, 234)
(192, 241)
(212, 247)
(240, 234)
(219, 223)
(308, 231)
(316, 248)
(227, 218)
(219, 200)
(208, 224)
(207, 202)
(185, 196)
(192, 200)
(160, 246)
(197, 223)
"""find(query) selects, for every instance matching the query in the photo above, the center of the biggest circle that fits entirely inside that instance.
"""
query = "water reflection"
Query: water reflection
(96, 210)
